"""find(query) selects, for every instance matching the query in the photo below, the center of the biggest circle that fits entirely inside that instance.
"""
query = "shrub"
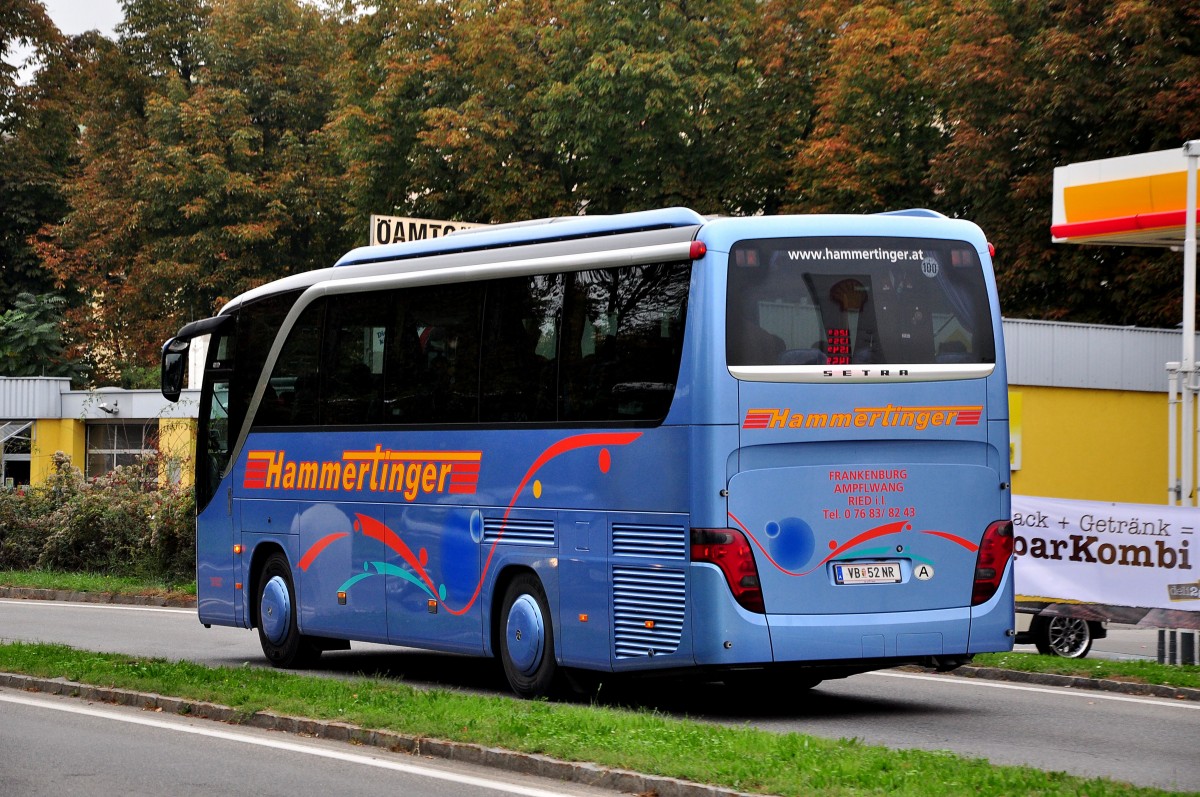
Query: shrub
(171, 548)
(121, 524)
(20, 532)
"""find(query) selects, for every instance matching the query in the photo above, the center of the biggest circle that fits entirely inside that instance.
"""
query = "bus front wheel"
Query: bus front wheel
(527, 638)
(282, 642)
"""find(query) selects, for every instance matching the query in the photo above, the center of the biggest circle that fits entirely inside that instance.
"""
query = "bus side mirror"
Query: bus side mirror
(174, 365)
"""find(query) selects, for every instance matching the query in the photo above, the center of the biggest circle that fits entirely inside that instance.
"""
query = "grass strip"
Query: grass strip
(92, 582)
(1142, 672)
(735, 757)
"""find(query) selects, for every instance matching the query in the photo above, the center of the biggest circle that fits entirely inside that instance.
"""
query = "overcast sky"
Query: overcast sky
(77, 16)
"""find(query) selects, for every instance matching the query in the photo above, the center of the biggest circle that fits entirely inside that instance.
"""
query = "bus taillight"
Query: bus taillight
(728, 550)
(994, 552)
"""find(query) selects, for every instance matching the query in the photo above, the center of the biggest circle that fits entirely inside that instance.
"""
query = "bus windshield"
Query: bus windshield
(860, 300)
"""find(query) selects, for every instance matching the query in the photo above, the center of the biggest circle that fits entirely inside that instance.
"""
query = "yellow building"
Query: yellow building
(1088, 410)
(98, 430)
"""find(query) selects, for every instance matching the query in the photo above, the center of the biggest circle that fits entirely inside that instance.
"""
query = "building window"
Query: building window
(112, 445)
(15, 447)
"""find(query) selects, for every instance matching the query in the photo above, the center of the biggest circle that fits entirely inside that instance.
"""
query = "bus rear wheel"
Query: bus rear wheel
(527, 638)
(275, 613)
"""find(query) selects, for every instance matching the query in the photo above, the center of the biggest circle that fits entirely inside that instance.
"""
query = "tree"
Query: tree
(1098, 79)
(23, 23)
(214, 176)
(31, 146)
(792, 46)
(664, 100)
(100, 234)
(966, 106)
(397, 63)
(159, 37)
(31, 340)
(523, 109)
(876, 128)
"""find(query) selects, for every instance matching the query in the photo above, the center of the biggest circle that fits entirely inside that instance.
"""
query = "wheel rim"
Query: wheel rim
(275, 611)
(1069, 637)
(525, 634)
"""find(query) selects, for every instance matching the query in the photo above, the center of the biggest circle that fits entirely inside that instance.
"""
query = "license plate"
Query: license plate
(867, 573)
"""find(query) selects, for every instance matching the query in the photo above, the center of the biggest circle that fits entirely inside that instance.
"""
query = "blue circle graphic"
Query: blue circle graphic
(791, 541)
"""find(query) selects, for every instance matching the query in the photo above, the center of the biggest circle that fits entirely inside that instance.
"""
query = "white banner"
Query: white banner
(1138, 555)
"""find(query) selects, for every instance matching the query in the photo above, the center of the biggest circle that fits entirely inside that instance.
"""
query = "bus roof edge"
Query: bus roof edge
(527, 232)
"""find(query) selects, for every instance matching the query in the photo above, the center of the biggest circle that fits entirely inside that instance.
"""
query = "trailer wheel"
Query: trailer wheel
(1068, 637)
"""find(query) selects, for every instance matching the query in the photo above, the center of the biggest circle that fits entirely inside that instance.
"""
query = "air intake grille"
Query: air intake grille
(648, 611)
(659, 542)
(518, 531)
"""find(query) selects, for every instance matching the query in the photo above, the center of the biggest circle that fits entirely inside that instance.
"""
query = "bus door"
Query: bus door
(217, 575)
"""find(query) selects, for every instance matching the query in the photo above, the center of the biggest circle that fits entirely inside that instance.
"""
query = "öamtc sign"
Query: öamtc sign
(399, 229)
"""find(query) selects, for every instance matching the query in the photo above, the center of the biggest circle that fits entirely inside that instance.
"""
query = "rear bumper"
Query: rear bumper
(725, 633)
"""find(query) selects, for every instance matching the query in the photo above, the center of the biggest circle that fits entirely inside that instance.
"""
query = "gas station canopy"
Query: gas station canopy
(1134, 200)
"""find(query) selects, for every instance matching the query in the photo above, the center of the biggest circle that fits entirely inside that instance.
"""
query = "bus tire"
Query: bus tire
(275, 615)
(527, 638)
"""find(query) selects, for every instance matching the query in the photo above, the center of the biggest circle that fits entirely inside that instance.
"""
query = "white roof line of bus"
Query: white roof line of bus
(432, 260)
(339, 280)
(523, 233)
(920, 212)
(606, 258)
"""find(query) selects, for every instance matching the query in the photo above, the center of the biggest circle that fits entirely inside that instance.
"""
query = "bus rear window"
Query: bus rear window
(843, 301)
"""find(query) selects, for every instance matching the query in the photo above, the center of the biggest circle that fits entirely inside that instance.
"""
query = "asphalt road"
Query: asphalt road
(1145, 741)
(59, 747)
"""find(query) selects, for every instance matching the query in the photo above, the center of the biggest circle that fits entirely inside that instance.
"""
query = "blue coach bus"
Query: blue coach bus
(770, 446)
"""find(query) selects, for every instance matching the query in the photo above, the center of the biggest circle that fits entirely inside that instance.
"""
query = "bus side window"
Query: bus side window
(295, 376)
(621, 342)
(520, 351)
(438, 381)
(356, 335)
(403, 392)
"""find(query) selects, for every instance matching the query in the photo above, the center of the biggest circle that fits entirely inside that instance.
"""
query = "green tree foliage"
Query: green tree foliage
(31, 146)
(966, 106)
(213, 175)
(23, 24)
(395, 65)
(1097, 79)
(31, 341)
(218, 144)
(589, 106)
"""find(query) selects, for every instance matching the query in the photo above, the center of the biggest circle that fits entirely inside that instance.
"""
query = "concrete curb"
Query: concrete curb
(1079, 682)
(522, 763)
(32, 593)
